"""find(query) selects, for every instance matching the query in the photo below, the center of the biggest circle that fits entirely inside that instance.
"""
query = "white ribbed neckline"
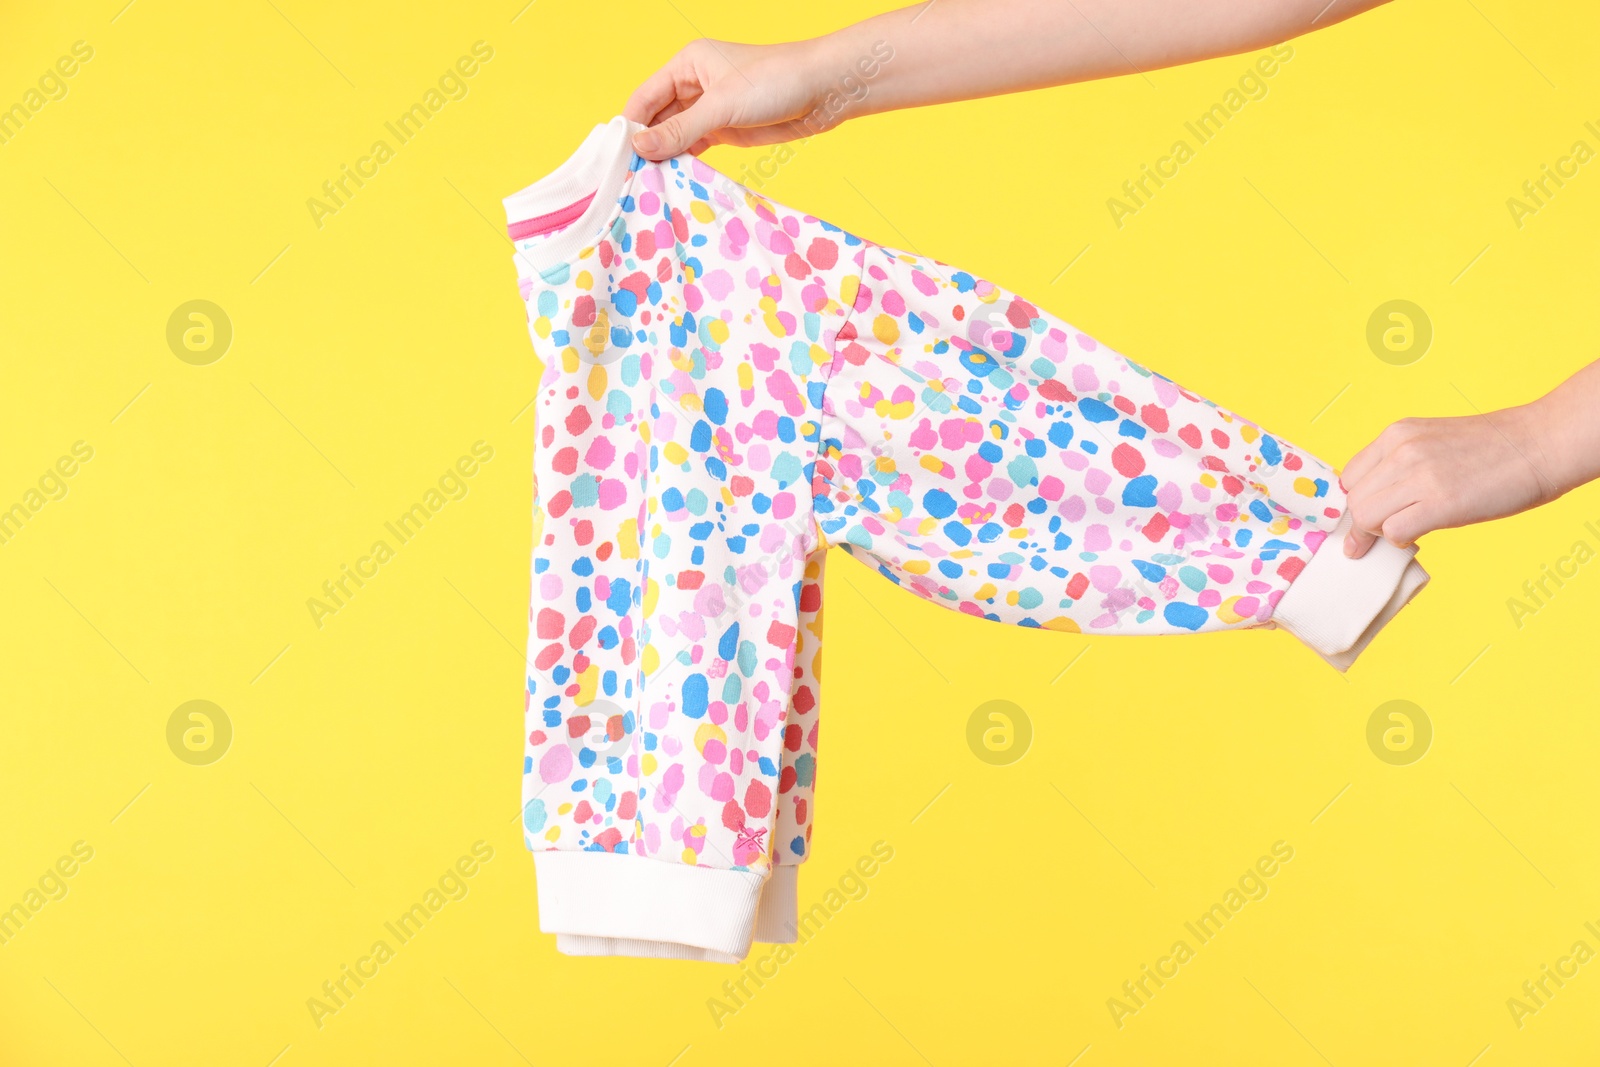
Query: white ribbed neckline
(602, 165)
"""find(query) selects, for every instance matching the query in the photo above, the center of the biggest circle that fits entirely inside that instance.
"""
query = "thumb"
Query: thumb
(676, 133)
(1357, 541)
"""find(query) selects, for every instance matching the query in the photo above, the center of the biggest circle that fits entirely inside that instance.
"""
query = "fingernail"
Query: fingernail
(1349, 547)
(646, 141)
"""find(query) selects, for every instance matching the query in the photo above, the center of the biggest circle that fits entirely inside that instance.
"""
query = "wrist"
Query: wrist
(844, 71)
(818, 61)
(1548, 438)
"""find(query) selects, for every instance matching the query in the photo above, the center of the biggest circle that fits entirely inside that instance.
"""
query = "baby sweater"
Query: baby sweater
(730, 388)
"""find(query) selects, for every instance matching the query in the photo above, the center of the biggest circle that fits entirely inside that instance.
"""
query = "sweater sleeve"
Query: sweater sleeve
(983, 453)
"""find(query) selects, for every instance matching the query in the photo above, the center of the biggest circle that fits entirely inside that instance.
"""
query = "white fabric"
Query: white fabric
(1337, 604)
(620, 899)
(777, 922)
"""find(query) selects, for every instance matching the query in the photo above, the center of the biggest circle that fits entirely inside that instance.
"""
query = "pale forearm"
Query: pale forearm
(1429, 474)
(1565, 424)
(958, 49)
(723, 92)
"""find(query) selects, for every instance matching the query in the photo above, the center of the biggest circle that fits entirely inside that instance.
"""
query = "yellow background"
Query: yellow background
(369, 754)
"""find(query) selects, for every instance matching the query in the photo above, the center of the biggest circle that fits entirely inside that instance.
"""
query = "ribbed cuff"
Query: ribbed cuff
(777, 922)
(778, 917)
(603, 903)
(1337, 604)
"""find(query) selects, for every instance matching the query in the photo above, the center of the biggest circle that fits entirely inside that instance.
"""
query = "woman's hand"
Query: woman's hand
(719, 92)
(1429, 474)
(1422, 475)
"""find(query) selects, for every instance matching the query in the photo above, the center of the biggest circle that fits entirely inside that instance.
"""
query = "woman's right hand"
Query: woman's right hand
(719, 92)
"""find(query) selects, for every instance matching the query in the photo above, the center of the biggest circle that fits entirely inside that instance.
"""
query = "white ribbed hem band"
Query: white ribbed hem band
(606, 904)
(778, 917)
(1337, 604)
(776, 922)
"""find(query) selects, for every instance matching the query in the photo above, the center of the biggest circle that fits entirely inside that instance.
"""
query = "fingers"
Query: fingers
(658, 90)
(1362, 463)
(1357, 541)
(1371, 500)
(754, 136)
(1406, 525)
(1372, 510)
(1365, 479)
(678, 132)
(759, 136)
(1400, 529)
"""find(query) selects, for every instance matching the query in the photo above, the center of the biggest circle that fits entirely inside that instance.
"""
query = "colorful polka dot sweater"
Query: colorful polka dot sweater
(731, 388)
